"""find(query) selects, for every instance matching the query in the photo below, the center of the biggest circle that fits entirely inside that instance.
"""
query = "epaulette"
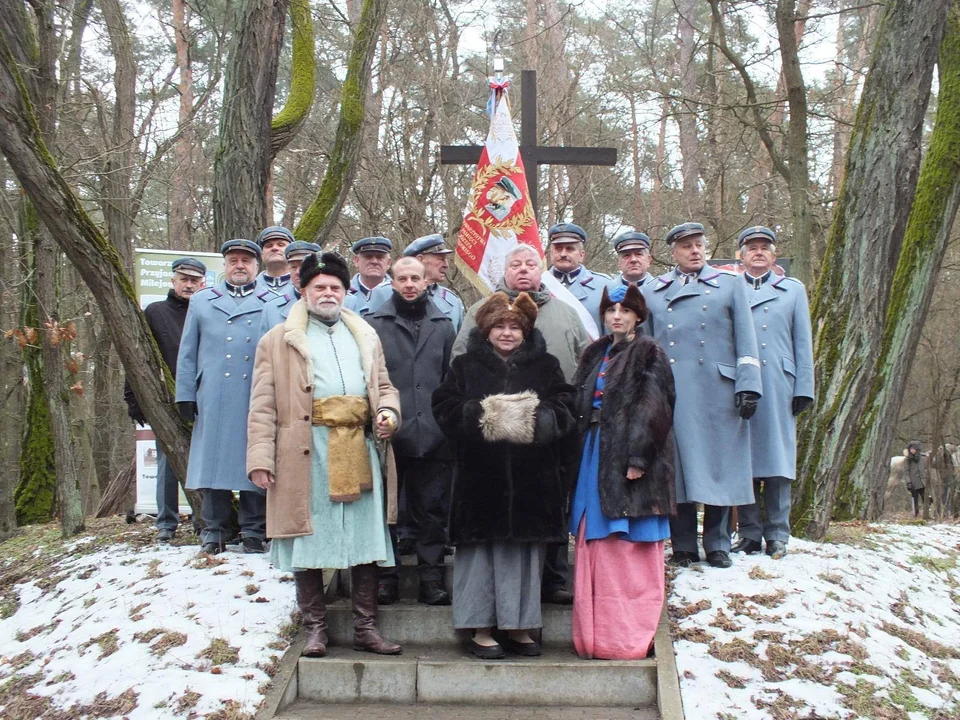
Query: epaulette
(264, 294)
(784, 278)
(211, 289)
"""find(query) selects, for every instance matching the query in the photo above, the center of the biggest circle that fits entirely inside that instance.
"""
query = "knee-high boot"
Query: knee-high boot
(363, 592)
(314, 611)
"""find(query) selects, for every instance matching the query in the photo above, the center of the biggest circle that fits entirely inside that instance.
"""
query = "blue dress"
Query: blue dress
(586, 499)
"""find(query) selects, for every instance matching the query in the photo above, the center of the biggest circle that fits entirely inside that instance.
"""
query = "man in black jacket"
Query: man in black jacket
(417, 339)
(166, 319)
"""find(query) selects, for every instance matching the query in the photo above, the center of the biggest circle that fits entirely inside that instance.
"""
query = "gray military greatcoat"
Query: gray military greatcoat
(446, 300)
(357, 300)
(706, 329)
(276, 310)
(781, 318)
(588, 289)
(215, 370)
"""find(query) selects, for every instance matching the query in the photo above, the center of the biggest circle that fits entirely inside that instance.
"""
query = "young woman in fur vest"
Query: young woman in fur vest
(506, 405)
(625, 489)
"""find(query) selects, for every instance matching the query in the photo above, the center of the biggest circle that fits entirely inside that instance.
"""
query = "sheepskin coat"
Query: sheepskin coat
(636, 422)
(279, 426)
(509, 421)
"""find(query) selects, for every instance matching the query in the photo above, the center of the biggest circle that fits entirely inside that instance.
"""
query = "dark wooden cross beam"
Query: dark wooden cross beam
(533, 154)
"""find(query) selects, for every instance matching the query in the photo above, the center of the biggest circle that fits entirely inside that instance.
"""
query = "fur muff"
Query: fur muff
(505, 490)
(509, 418)
(636, 425)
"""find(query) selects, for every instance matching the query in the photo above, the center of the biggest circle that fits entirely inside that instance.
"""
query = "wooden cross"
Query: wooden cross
(534, 155)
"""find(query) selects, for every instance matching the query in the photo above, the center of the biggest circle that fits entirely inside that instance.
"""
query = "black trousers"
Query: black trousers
(918, 498)
(425, 482)
(217, 506)
(556, 568)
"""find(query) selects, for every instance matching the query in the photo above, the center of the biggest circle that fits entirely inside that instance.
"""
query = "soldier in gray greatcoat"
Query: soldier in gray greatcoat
(371, 257)
(433, 253)
(275, 278)
(633, 260)
(214, 375)
(701, 318)
(417, 341)
(781, 318)
(277, 309)
(566, 243)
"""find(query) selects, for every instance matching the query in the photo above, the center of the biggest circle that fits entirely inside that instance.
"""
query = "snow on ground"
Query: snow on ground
(144, 632)
(868, 626)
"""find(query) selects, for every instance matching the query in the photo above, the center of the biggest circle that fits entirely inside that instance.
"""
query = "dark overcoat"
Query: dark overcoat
(417, 363)
(636, 423)
(166, 319)
(503, 490)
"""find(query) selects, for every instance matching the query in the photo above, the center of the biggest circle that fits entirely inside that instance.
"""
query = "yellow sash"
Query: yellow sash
(348, 462)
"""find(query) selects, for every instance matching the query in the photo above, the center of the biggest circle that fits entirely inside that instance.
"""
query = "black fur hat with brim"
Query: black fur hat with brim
(327, 264)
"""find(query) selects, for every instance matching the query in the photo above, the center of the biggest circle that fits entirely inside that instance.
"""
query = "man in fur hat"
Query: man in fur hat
(320, 390)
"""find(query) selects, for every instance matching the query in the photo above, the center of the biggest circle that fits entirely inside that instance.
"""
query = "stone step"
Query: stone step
(409, 622)
(452, 676)
(421, 711)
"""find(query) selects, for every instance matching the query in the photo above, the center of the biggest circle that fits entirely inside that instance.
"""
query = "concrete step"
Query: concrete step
(380, 711)
(411, 623)
(453, 676)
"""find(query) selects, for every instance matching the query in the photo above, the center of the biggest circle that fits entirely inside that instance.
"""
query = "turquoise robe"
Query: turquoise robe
(344, 534)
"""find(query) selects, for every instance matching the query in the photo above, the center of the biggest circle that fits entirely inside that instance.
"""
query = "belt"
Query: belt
(348, 461)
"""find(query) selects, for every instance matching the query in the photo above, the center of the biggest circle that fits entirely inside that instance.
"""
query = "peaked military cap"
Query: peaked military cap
(757, 232)
(376, 243)
(679, 232)
(274, 232)
(632, 240)
(241, 244)
(299, 249)
(189, 266)
(566, 232)
(427, 245)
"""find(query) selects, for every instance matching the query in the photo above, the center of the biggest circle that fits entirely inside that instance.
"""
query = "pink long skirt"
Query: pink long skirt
(617, 597)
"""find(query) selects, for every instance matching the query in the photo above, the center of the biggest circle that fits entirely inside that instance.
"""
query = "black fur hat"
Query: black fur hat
(328, 263)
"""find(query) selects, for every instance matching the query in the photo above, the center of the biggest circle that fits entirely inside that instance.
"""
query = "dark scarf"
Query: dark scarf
(414, 309)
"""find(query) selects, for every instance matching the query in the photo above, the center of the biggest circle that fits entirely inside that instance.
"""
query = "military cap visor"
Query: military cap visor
(274, 232)
(377, 243)
(566, 233)
(681, 232)
(299, 250)
(190, 267)
(628, 241)
(427, 245)
(242, 246)
(756, 233)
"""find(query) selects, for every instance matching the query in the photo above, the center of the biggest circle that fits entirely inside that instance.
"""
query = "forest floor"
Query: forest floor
(865, 625)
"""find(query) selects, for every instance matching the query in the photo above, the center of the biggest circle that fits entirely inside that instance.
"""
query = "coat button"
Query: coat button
(229, 356)
(701, 361)
(704, 307)
(702, 325)
(669, 309)
(226, 374)
(306, 452)
(246, 357)
(248, 339)
(229, 339)
(306, 417)
(419, 414)
(707, 292)
(672, 361)
(309, 388)
(249, 322)
(702, 343)
(672, 343)
(418, 386)
(764, 362)
(763, 327)
(670, 326)
(766, 309)
(229, 322)
(244, 376)
(763, 345)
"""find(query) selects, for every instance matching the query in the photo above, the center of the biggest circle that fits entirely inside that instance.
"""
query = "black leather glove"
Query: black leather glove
(746, 403)
(136, 414)
(187, 410)
(800, 404)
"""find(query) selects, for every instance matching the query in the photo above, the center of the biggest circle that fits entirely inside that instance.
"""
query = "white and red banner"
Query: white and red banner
(498, 214)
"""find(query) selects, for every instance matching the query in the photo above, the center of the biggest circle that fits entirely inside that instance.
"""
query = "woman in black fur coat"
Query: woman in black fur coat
(625, 489)
(506, 405)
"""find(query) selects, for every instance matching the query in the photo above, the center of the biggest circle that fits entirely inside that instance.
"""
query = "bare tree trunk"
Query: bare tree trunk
(687, 110)
(241, 166)
(656, 204)
(318, 220)
(852, 298)
(183, 204)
